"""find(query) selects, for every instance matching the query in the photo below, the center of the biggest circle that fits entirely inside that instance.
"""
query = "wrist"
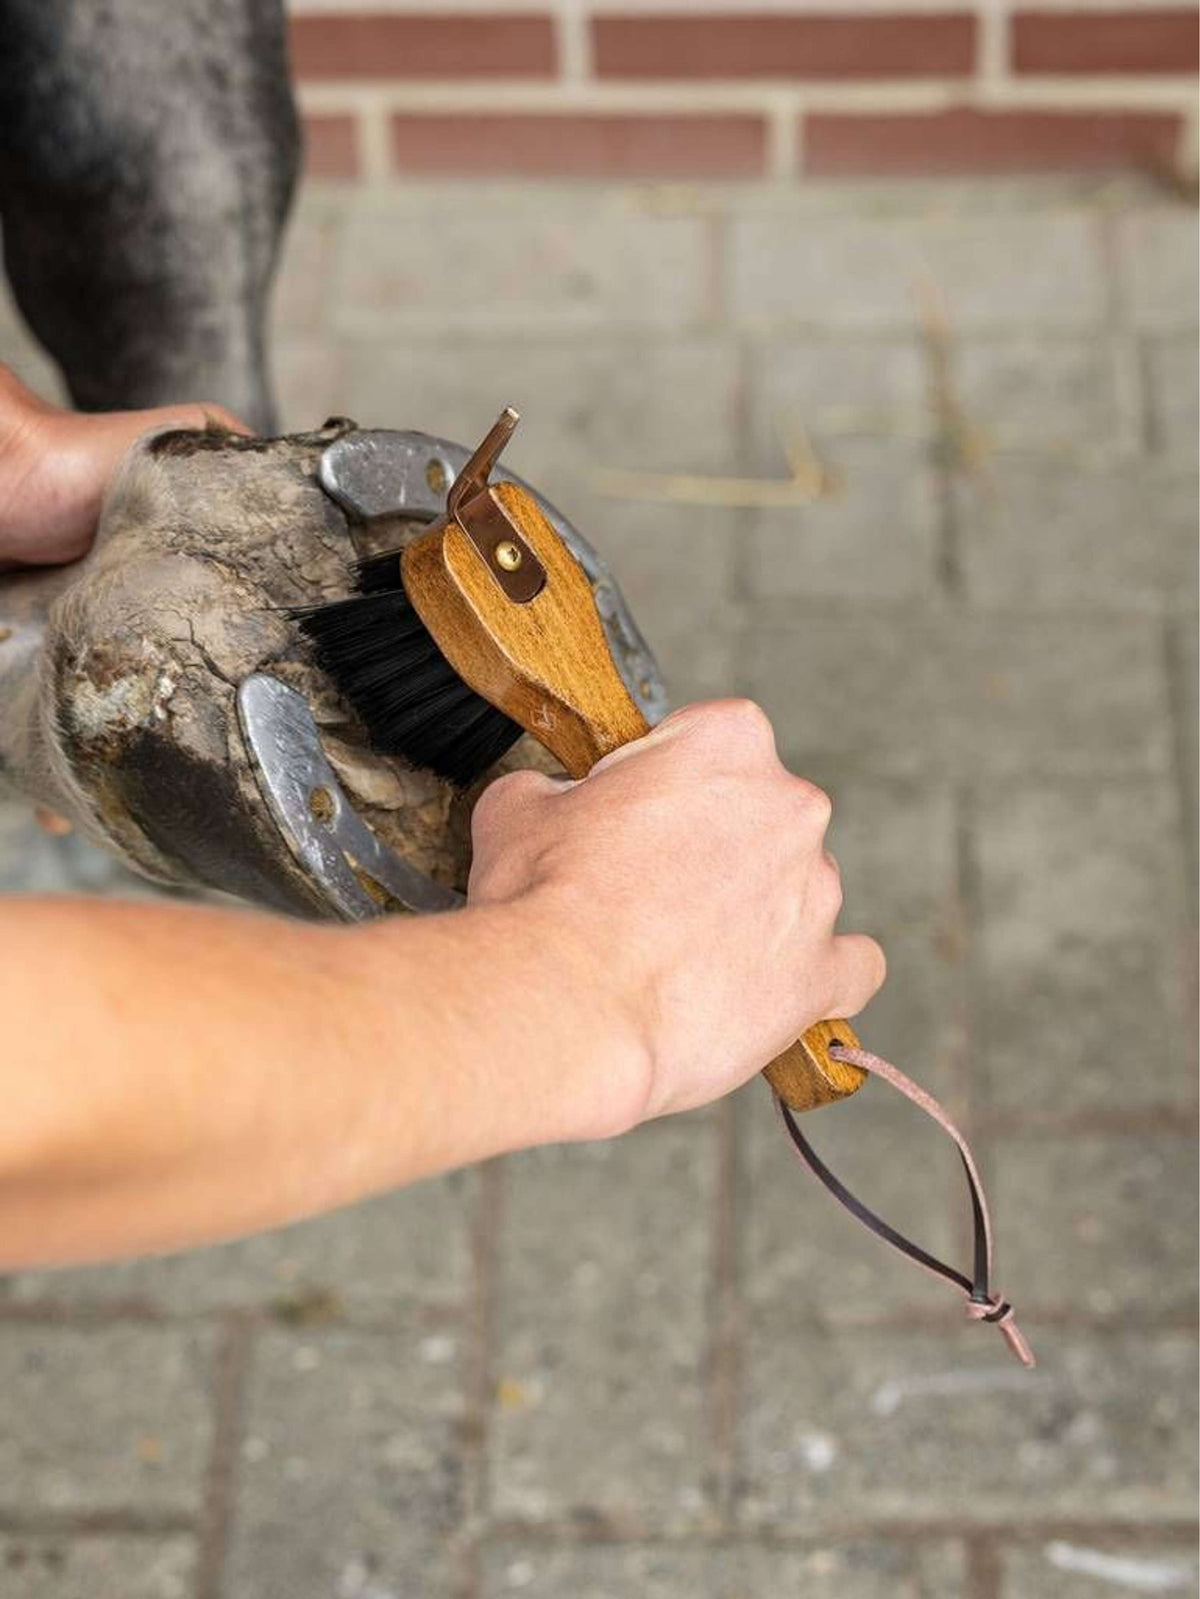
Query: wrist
(596, 1008)
(532, 1037)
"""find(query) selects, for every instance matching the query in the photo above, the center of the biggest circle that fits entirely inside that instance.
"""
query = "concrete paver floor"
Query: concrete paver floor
(668, 1366)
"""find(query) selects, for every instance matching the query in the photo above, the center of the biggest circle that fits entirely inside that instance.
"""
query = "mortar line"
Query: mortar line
(1106, 1532)
(39, 1522)
(1166, 1120)
(1133, 1121)
(983, 1574)
(229, 1396)
(968, 901)
(481, 1318)
(742, 529)
(118, 1312)
(1131, 389)
(725, 1322)
(716, 248)
(937, 345)
(1174, 667)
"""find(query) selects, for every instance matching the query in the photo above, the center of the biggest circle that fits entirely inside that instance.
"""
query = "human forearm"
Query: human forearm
(635, 944)
(177, 1075)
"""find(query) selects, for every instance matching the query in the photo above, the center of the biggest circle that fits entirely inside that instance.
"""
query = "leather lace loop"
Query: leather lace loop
(983, 1303)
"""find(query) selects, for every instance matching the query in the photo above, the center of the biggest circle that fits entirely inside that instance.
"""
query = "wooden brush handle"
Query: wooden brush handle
(545, 661)
(807, 1075)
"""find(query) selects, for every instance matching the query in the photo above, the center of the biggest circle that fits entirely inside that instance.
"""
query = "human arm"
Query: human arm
(635, 944)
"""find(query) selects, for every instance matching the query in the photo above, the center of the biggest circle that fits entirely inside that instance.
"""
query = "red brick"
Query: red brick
(331, 147)
(452, 45)
(502, 144)
(1106, 41)
(784, 46)
(930, 143)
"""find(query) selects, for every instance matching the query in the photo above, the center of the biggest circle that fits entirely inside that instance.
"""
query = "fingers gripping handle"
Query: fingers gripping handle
(807, 1075)
(544, 659)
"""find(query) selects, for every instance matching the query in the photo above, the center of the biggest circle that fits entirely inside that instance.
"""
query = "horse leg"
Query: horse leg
(148, 154)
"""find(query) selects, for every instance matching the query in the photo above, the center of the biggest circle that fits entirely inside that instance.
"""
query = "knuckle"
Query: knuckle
(746, 721)
(834, 892)
(729, 725)
(685, 718)
(501, 796)
(815, 801)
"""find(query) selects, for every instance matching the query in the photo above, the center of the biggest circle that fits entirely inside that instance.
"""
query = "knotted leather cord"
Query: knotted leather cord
(983, 1303)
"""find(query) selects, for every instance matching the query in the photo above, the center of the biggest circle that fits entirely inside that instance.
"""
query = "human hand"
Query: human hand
(686, 883)
(56, 464)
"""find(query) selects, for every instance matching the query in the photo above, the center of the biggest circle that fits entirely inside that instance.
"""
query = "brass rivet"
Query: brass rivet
(508, 556)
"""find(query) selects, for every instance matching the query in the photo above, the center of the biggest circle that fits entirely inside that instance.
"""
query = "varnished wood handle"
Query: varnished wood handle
(545, 661)
(807, 1075)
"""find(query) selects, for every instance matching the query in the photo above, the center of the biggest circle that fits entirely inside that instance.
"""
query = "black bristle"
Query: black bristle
(379, 572)
(411, 700)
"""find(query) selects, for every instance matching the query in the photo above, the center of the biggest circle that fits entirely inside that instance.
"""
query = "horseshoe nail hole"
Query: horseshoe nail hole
(437, 476)
(320, 805)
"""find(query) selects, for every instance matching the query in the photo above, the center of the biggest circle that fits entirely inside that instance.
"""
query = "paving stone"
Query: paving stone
(809, 1260)
(853, 691)
(875, 537)
(895, 844)
(1157, 254)
(32, 862)
(1061, 1568)
(97, 1568)
(369, 1262)
(599, 1408)
(311, 382)
(851, 694)
(697, 659)
(925, 1427)
(1105, 1225)
(592, 312)
(491, 261)
(1045, 535)
(1185, 676)
(348, 1482)
(876, 272)
(878, 1570)
(302, 300)
(101, 1419)
(1081, 888)
(1050, 395)
(802, 1252)
(832, 390)
(588, 407)
(21, 351)
(676, 566)
(1040, 268)
(647, 404)
(1171, 378)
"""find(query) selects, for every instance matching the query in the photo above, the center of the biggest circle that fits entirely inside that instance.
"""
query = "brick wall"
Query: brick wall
(679, 89)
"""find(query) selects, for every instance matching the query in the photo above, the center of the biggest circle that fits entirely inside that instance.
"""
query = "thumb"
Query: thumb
(100, 439)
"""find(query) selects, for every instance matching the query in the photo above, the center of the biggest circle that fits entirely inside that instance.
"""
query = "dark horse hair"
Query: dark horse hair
(148, 154)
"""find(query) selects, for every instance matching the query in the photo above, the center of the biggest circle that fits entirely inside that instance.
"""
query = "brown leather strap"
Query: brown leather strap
(983, 1304)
